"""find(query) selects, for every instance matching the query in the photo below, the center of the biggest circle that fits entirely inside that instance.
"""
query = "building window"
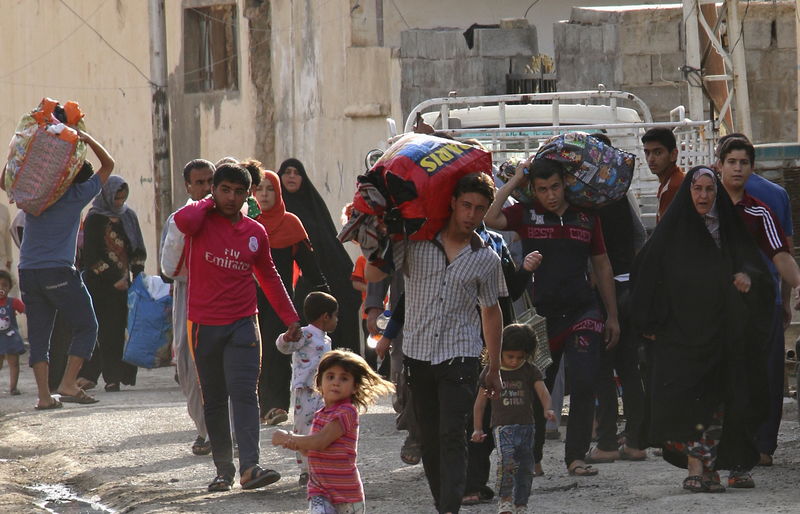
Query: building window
(210, 48)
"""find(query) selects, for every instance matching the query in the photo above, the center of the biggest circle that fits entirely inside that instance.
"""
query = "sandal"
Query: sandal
(14, 392)
(112, 387)
(201, 446)
(582, 470)
(411, 452)
(741, 480)
(275, 416)
(221, 483)
(471, 499)
(81, 397)
(702, 484)
(54, 404)
(506, 507)
(259, 477)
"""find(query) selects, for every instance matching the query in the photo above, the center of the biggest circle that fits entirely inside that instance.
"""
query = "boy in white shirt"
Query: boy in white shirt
(322, 310)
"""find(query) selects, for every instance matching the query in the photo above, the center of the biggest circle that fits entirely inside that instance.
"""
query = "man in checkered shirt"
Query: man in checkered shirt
(452, 286)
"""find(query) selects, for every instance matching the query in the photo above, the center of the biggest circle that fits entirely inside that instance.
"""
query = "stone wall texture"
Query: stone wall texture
(641, 50)
(434, 62)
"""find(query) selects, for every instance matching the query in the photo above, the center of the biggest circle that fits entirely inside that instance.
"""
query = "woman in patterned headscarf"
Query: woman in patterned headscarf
(113, 252)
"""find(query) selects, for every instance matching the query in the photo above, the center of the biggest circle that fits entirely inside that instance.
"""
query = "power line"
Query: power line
(401, 14)
(109, 45)
(49, 50)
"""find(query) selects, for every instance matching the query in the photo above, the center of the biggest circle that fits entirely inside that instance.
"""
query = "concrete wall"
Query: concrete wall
(399, 16)
(641, 49)
(331, 99)
(436, 61)
(47, 51)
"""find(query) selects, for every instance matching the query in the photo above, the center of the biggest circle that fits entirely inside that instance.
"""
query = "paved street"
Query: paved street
(131, 451)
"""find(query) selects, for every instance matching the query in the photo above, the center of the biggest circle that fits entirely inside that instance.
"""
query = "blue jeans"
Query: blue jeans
(46, 291)
(514, 461)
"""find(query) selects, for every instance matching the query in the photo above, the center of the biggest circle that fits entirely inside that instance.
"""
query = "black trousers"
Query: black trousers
(227, 359)
(581, 350)
(111, 309)
(274, 383)
(479, 462)
(443, 395)
(625, 359)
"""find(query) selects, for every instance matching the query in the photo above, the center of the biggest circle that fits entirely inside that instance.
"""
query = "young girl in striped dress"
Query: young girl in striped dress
(347, 383)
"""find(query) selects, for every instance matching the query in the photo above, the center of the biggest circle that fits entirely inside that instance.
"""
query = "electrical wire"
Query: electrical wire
(109, 45)
(401, 15)
(530, 7)
(56, 45)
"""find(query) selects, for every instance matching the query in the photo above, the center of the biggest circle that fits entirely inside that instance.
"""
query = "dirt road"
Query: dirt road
(131, 453)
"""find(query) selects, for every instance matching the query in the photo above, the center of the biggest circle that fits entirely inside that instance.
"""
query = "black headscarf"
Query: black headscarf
(334, 262)
(709, 338)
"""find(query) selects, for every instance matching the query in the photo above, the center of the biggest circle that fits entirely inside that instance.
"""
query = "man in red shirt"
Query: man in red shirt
(735, 165)
(661, 151)
(224, 251)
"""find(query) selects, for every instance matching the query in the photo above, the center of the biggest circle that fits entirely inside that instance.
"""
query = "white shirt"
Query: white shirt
(306, 354)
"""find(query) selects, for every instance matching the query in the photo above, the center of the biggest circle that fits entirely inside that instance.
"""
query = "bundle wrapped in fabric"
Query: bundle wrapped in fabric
(149, 323)
(44, 155)
(408, 190)
(596, 174)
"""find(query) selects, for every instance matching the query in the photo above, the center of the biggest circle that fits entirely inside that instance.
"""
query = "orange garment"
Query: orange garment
(667, 188)
(358, 276)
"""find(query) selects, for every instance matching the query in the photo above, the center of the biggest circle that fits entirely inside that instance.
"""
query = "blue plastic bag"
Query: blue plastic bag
(149, 326)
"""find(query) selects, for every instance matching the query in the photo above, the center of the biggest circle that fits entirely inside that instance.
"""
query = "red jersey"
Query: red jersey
(762, 225)
(667, 189)
(222, 258)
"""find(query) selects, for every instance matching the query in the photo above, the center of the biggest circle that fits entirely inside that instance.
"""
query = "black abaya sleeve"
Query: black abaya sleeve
(306, 260)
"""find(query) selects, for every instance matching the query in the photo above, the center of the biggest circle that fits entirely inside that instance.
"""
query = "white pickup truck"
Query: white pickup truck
(514, 126)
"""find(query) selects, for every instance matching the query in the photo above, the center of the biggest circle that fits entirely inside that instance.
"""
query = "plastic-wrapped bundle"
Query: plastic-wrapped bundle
(596, 174)
(149, 323)
(409, 187)
(44, 155)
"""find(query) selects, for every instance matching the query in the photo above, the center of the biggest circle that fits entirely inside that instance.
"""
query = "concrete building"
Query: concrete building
(312, 79)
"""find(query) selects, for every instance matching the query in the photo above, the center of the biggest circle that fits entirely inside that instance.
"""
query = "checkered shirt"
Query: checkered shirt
(442, 317)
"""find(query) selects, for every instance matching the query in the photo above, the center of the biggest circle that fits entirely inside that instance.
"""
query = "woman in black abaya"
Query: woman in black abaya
(704, 297)
(303, 200)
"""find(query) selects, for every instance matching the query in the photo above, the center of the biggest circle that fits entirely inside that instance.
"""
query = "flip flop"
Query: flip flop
(81, 398)
(260, 477)
(585, 471)
(55, 404)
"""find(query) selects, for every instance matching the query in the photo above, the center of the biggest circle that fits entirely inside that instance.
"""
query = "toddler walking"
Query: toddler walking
(11, 346)
(321, 309)
(512, 417)
(347, 383)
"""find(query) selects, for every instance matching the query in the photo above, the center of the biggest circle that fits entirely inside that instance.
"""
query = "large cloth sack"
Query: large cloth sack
(44, 156)
(597, 174)
(149, 324)
(412, 183)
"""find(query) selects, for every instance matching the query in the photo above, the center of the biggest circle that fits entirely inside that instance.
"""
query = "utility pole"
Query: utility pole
(162, 166)
(797, 50)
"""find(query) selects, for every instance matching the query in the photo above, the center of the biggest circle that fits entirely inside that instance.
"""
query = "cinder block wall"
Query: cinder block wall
(640, 50)
(434, 62)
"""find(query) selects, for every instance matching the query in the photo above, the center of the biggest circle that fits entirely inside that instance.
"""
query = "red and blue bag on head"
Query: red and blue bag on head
(596, 174)
(416, 177)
